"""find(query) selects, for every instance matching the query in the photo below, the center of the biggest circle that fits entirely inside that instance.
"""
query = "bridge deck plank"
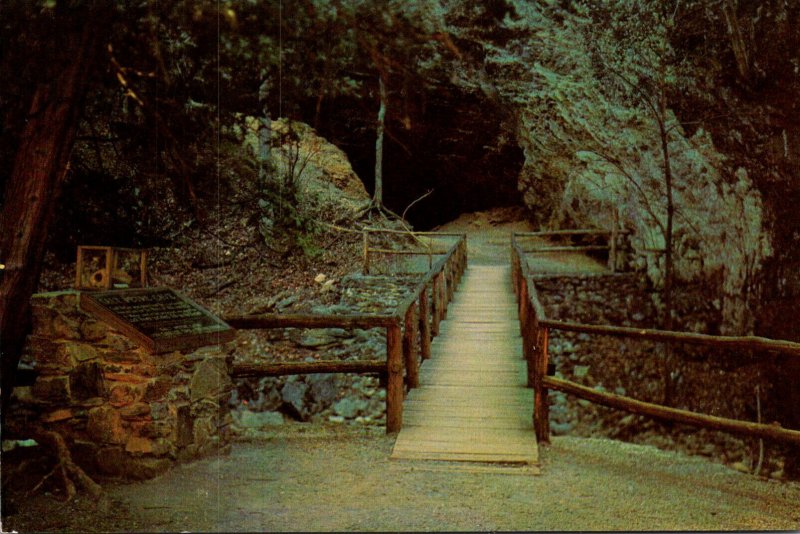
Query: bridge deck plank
(472, 404)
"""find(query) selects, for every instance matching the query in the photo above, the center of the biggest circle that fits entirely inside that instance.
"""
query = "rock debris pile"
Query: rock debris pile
(261, 402)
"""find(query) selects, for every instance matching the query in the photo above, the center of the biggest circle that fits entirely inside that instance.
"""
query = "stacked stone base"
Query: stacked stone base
(124, 412)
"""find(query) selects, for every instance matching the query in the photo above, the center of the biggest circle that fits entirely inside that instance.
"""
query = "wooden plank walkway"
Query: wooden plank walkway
(472, 404)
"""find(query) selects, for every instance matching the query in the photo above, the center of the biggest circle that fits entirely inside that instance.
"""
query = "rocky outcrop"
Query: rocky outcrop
(323, 175)
(587, 104)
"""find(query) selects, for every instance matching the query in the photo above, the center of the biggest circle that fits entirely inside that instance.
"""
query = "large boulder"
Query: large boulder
(323, 173)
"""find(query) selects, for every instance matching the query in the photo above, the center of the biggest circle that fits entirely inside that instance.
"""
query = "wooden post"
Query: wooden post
(612, 254)
(437, 305)
(366, 252)
(463, 266)
(523, 306)
(410, 347)
(394, 385)
(143, 267)
(514, 273)
(443, 294)
(448, 276)
(541, 412)
(529, 347)
(424, 325)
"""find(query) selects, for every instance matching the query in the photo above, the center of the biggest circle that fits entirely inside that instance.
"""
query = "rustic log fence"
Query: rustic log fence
(535, 329)
(408, 330)
(369, 250)
(612, 245)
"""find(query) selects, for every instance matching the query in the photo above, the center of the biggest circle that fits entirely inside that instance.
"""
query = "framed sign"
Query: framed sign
(158, 318)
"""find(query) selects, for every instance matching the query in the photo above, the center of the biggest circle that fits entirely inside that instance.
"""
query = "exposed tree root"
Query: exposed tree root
(66, 469)
(378, 209)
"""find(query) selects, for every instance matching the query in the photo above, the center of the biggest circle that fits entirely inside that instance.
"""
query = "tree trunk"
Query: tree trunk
(668, 245)
(39, 168)
(377, 198)
(738, 44)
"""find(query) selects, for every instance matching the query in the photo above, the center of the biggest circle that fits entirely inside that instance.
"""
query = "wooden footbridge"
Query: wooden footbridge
(469, 383)
(472, 403)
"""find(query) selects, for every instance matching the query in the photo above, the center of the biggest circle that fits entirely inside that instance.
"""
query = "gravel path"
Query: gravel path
(337, 477)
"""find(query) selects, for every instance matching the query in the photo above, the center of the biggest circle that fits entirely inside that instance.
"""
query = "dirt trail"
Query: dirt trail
(328, 477)
(340, 478)
(489, 242)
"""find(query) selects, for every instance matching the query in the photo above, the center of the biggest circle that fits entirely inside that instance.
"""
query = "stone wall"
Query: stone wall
(124, 411)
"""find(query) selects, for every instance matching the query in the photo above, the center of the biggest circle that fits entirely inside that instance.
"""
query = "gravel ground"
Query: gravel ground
(327, 477)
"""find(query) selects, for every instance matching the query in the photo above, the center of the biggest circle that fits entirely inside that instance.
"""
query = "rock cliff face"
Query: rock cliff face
(321, 171)
(560, 106)
(589, 108)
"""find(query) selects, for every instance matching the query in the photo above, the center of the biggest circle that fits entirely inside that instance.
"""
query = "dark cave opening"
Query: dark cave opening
(456, 144)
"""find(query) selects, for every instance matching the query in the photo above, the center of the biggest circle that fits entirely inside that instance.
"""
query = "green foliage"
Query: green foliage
(308, 243)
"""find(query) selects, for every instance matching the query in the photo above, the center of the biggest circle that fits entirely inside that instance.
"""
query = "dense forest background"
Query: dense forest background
(678, 117)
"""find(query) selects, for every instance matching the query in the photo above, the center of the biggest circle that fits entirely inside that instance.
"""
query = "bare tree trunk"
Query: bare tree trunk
(738, 44)
(40, 166)
(668, 245)
(377, 198)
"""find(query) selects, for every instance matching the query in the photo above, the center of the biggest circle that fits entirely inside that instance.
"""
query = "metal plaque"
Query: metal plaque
(158, 318)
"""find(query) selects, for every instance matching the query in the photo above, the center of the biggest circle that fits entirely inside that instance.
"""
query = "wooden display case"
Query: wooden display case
(110, 268)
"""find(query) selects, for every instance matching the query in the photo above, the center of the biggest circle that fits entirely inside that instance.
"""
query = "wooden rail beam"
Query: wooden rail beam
(587, 231)
(541, 410)
(758, 430)
(241, 370)
(744, 342)
(405, 252)
(586, 248)
(279, 320)
(412, 233)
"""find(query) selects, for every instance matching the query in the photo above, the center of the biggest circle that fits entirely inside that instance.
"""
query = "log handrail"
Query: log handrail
(579, 231)
(389, 251)
(241, 370)
(279, 320)
(367, 250)
(656, 411)
(586, 248)
(534, 338)
(739, 342)
(411, 232)
(535, 331)
(402, 327)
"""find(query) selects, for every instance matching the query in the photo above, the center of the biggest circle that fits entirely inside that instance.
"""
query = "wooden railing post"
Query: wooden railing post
(424, 325)
(436, 295)
(443, 290)
(394, 385)
(366, 252)
(451, 279)
(410, 347)
(541, 411)
(523, 306)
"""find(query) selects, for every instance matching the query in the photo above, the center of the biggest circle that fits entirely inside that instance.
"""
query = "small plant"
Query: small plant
(307, 242)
